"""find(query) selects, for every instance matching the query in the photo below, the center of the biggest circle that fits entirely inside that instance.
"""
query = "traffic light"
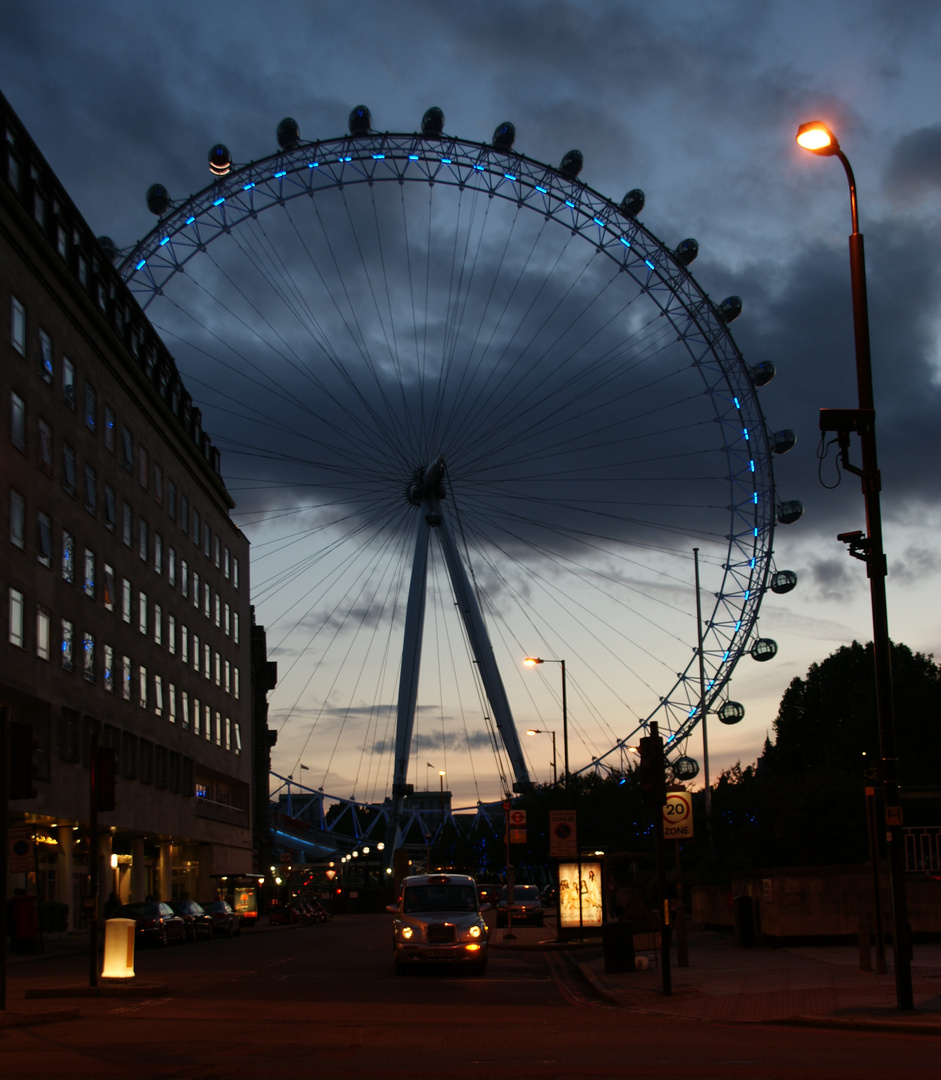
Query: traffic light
(652, 776)
(22, 766)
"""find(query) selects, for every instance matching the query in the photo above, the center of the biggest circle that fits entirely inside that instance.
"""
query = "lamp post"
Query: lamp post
(541, 731)
(532, 661)
(818, 139)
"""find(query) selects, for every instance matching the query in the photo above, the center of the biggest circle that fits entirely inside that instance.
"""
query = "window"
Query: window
(207, 661)
(218, 729)
(196, 657)
(17, 618)
(207, 722)
(109, 587)
(195, 526)
(17, 421)
(18, 327)
(158, 483)
(228, 677)
(88, 657)
(17, 519)
(171, 500)
(142, 612)
(197, 717)
(127, 525)
(228, 564)
(62, 241)
(235, 573)
(218, 610)
(158, 553)
(218, 553)
(127, 594)
(185, 708)
(91, 490)
(195, 590)
(218, 670)
(184, 514)
(237, 732)
(158, 695)
(142, 686)
(68, 382)
(127, 450)
(143, 467)
(171, 703)
(91, 407)
(44, 539)
(207, 542)
(43, 632)
(235, 627)
(126, 677)
(45, 446)
(171, 568)
(68, 557)
(185, 644)
(68, 659)
(89, 573)
(68, 469)
(108, 674)
(142, 547)
(171, 634)
(228, 733)
(184, 578)
(158, 624)
(228, 621)
(207, 598)
(110, 507)
(46, 369)
(235, 683)
(109, 428)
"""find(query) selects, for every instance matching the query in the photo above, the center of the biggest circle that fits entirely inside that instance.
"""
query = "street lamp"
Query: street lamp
(819, 139)
(541, 731)
(532, 661)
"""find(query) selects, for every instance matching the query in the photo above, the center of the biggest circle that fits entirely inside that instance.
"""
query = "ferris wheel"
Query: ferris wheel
(471, 411)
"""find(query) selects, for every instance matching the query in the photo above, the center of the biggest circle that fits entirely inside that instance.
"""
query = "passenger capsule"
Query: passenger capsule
(432, 123)
(783, 440)
(731, 712)
(790, 511)
(504, 136)
(763, 372)
(764, 649)
(782, 581)
(158, 199)
(687, 250)
(572, 164)
(730, 309)
(220, 160)
(360, 121)
(109, 247)
(685, 768)
(289, 134)
(633, 202)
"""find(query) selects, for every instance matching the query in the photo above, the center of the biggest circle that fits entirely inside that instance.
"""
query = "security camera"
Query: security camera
(850, 537)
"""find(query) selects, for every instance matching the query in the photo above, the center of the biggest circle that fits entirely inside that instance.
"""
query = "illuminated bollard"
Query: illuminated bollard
(119, 949)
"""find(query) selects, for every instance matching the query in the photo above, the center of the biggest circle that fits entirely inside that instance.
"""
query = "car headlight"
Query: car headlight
(474, 931)
(406, 932)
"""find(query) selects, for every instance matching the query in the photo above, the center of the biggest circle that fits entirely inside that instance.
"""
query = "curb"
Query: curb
(53, 1016)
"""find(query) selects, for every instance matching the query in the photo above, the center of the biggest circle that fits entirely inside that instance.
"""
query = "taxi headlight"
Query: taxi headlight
(474, 931)
(406, 932)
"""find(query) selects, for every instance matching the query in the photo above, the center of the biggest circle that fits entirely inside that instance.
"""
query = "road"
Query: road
(323, 1001)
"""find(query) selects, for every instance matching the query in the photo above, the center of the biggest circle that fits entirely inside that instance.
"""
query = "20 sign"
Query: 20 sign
(678, 816)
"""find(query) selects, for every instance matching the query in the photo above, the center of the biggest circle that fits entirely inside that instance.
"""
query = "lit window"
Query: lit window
(171, 634)
(228, 677)
(108, 674)
(235, 683)
(228, 733)
(68, 469)
(158, 695)
(185, 708)
(207, 722)
(218, 610)
(142, 537)
(127, 595)
(18, 328)
(158, 624)
(238, 737)
(127, 675)
(158, 553)
(207, 661)
(218, 670)
(45, 446)
(17, 421)
(68, 557)
(196, 652)
(184, 577)
(68, 659)
(235, 627)
(207, 599)
(185, 644)
(88, 657)
(235, 573)
(89, 573)
(142, 612)
(197, 717)
(228, 621)
(218, 553)
(142, 685)
(68, 382)
(44, 539)
(171, 568)
(228, 563)
(46, 369)
(17, 519)
(43, 633)
(109, 587)
(195, 590)
(17, 618)
(171, 703)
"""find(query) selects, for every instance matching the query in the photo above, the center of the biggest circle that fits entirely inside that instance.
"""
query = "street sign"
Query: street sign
(21, 855)
(563, 840)
(517, 819)
(678, 816)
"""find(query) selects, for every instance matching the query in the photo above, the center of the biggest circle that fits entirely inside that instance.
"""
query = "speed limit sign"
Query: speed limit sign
(678, 816)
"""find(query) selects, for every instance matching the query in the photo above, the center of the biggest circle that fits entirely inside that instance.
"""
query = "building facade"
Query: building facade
(125, 604)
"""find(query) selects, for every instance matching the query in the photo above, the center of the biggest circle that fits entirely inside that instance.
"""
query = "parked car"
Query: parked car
(198, 921)
(225, 921)
(550, 895)
(526, 906)
(438, 920)
(488, 894)
(156, 922)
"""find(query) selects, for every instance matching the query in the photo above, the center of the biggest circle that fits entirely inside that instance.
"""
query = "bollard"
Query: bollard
(119, 949)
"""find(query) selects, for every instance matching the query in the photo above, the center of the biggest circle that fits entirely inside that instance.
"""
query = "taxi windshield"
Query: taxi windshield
(440, 898)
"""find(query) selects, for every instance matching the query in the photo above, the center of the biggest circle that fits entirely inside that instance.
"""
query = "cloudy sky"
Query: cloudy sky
(695, 103)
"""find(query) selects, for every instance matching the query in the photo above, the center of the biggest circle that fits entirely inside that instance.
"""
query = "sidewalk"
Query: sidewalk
(813, 985)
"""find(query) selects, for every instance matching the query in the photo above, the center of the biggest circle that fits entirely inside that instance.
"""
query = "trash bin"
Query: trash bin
(745, 929)
(24, 923)
(119, 949)
(617, 939)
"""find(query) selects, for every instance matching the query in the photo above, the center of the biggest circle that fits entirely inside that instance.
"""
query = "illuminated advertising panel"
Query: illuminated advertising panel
(589, 889)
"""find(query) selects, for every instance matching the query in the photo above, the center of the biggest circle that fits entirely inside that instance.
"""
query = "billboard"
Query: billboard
(587, 886)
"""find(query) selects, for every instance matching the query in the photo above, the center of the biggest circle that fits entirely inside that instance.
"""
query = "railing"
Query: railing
(215, 811)
(922, 849)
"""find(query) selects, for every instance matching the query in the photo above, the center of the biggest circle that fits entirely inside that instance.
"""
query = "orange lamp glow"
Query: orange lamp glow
(816, 137)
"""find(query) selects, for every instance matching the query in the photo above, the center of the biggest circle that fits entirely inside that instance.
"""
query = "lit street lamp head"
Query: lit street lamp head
(532, 661)
(816, 137)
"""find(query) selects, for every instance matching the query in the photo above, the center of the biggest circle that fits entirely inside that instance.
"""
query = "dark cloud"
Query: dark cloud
(915, 164)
